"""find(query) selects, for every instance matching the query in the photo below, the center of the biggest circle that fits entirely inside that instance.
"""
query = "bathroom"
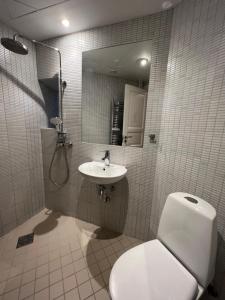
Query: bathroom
(64, 233)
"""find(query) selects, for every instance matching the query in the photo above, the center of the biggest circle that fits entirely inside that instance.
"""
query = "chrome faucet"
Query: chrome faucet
(106, 158)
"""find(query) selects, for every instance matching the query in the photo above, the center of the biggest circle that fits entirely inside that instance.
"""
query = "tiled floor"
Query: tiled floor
(69, 259)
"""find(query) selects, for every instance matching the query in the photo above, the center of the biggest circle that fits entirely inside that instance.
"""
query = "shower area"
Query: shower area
(52, 88)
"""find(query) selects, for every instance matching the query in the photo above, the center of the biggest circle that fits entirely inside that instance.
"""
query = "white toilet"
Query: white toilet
(179, 264)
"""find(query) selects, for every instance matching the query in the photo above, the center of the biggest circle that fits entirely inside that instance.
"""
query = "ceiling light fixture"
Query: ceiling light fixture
(142, 62)
(65, 22)
(113, 71)
(167, 4)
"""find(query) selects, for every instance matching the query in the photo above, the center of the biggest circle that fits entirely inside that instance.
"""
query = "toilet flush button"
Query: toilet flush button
(192, 200)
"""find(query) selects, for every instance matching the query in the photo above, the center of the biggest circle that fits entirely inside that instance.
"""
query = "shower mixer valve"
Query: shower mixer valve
(63, 139)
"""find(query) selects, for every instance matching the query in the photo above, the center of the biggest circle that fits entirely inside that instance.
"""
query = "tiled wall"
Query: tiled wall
(21, 116)
(98, 93)
(188, 116)
(191, 154)
(130, 207)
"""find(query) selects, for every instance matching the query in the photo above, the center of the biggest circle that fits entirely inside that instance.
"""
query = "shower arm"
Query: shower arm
(60, 72)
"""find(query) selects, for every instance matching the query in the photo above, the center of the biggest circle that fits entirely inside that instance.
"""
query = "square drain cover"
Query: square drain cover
(25, 240)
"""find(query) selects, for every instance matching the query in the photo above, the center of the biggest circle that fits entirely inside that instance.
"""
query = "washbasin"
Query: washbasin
(98, 173)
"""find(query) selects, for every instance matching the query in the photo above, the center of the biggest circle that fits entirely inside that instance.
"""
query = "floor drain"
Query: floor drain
(25, 240)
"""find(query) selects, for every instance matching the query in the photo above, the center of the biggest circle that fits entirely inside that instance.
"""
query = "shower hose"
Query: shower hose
(64, 150)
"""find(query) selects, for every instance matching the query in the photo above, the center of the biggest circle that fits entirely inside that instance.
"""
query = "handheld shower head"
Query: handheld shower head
(57, 122)
(14, 45)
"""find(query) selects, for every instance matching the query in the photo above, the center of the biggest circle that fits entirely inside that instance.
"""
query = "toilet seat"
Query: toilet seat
(150, 272)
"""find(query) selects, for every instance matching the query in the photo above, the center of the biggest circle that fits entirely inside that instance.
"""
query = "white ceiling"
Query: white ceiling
(119, 61)
(41, 19)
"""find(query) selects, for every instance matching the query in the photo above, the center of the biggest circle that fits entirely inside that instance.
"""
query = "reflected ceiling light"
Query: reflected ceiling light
(142, 62)
(65, 22)
(113, 71)
(167, 4)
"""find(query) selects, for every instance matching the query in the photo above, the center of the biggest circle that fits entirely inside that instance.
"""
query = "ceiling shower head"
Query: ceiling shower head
(14, 45)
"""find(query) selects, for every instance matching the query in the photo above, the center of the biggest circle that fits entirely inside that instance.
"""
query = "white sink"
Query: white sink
(98, 173)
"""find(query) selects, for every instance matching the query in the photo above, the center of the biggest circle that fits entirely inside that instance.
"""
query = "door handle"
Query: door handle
(126, 137)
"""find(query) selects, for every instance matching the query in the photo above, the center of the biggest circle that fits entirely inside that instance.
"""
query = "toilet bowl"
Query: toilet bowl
(179, 264)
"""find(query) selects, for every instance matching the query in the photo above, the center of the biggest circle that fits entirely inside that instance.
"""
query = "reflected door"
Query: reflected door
(134, 116)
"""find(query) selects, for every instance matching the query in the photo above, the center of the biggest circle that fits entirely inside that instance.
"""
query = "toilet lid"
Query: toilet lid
(150, 272)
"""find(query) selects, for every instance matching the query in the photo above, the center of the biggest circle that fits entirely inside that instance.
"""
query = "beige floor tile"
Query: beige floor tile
(30, 297)
(102, 295)
(56, 290)
(2, 287)
(42, 260)
(72, 295)
(94, 270)
(68, 270)
(55, 276)
(85, 290)
(54, 264)
(69, 283)
(60, 298)
(108, 250)
(106, 275)
(16, 270)
(42, 270)
(31, 264)
(97, 283)
(112, 259)
(90, 259)
(54, 254)
(100, 255)
(75, 245)
(82, 276)
(42, 295)
(66, 262)
(43, 250)
(13, 295)
(91, 298)
(28, 277)
(79, 265)
(12, 284)
(26, 290)
(4, 275)
(117, 246)
(64, 250)
(77, 254)
(104, 264)
(41, 283)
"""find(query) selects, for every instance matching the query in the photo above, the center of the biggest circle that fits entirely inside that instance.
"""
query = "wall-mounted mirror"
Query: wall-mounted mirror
(114, 94)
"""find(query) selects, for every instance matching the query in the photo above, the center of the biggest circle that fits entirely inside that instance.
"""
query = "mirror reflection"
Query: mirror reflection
(114, 94)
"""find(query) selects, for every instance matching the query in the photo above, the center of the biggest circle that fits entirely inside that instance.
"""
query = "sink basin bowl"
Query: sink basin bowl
(98, 173)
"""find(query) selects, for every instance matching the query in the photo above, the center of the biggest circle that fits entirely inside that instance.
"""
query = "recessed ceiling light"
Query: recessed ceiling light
(142, 61)
(65, 22)
(167, 4)
(112, 71)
